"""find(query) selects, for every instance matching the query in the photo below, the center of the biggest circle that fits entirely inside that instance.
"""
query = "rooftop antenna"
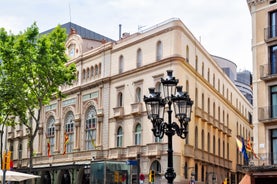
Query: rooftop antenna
(69, 8)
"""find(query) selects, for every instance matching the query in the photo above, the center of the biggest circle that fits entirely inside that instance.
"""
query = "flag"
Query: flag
(93, 143)
(239, 144)
(249, 146)
(48, 148)
(66, 141)
(243, 150)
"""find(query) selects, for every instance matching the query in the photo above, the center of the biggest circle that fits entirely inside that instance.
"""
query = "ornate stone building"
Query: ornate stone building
(104, 118)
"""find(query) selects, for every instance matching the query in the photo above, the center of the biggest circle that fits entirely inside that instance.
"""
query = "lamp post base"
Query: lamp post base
(170, 175)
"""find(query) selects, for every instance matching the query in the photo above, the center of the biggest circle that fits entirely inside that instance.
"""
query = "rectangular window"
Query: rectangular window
(273, 59)
(273, 24)
(273, 95)
(274, 146)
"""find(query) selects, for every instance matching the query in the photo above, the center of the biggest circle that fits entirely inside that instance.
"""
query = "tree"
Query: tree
(34, 67)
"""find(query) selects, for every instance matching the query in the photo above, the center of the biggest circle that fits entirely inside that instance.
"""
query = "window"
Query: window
(196, 138)
(274, 145)
(209, 145)
(91, 71)
(213, 144)
(138, 94)
(51, 133)
(96, 70)
(119, 99)
(139, 58)
(84, 74)
(138, 135)
(119, 137)
(71, 50)
(273, 59)
(273, 24)
(273, 95)
(20, 150)
(219, 147)
(187, 53)
(196, 172)
(91, 122)
(121, 64)
(69, 125)
(87, 73)
(202, 140)
(159, 51)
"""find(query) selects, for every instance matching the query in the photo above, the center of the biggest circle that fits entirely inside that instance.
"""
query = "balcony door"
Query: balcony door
(273, 24)
(274, 146)
(273, 59)
(273, 91)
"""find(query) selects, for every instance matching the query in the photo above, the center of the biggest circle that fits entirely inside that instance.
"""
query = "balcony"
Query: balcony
(10, 135)
(188, 151)
(267, 73)
(133, 151)
(270, 33)
(266, 161)
(118, 112)
(19, 133)
(136, 108)
(115, 153)
(267, 114)
(154, 149)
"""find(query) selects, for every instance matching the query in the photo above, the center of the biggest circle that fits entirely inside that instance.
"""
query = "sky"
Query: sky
(222, 26)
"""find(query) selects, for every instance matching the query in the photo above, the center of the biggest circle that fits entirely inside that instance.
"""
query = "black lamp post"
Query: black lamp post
(155, 106)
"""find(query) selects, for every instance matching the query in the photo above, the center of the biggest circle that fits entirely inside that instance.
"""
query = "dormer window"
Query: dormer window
(71, 50)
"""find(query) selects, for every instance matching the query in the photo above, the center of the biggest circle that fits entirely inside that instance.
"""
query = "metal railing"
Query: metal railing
(267, 113)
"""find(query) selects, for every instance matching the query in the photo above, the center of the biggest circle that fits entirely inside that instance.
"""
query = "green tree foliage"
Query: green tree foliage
(33, 67)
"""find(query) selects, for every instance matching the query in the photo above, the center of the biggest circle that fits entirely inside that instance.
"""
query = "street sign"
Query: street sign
(132, 162)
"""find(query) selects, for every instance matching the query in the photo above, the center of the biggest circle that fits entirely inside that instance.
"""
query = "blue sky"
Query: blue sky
(222, 26)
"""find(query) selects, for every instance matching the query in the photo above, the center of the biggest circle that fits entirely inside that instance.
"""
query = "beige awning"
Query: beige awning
(245, 180)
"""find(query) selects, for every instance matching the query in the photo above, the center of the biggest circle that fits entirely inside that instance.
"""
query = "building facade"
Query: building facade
(264, 44)
(103, 116)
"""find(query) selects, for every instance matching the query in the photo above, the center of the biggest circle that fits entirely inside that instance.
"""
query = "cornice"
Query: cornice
(255, 2)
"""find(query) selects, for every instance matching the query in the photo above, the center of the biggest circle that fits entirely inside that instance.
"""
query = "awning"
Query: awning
(245, 180)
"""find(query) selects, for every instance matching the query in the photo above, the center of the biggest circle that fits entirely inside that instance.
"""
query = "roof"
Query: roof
(83, 32)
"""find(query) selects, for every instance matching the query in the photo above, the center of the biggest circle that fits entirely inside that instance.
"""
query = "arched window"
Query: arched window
(96, 70)
(209, 145)
(213, 144)
(121, 64)
(138, 135)
(202, 140)
(84, 74)
(69, 130)
(119, 137)
(159, 52)
(91, 123)
(139, 58)
(196, 137)
(119, 99)
(91, 71)
(156, 166)
(50, 134)
(196, 172)
(138, 94)
(219, 147)
(187, 53)
(87, 73)
(99, 69)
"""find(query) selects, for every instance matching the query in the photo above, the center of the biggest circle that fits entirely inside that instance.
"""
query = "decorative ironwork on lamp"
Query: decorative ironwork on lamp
(155, 106)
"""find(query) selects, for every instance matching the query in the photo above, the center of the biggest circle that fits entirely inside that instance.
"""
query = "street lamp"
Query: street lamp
(155, 106)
